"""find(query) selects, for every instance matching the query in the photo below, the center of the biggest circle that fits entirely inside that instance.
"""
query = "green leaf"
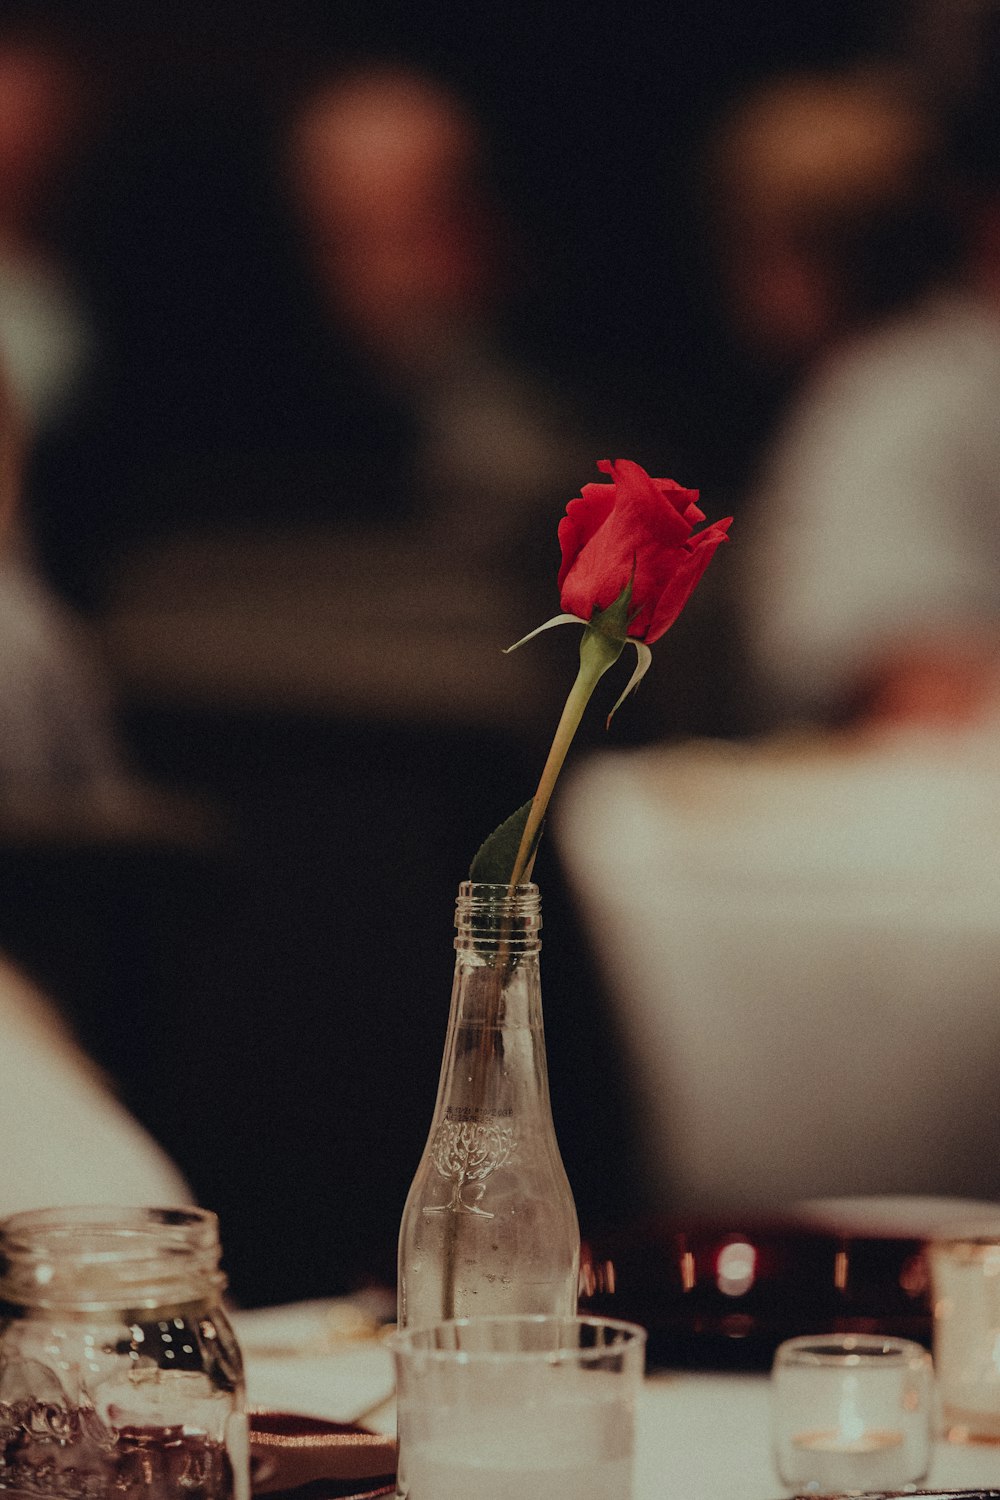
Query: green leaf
(494, 861)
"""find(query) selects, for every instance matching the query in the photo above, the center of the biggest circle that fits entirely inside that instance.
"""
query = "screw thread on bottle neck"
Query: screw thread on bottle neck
(489, 918)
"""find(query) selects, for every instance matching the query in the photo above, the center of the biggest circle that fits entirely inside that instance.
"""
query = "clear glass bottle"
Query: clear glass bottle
(119, 1372)
(489, 1224)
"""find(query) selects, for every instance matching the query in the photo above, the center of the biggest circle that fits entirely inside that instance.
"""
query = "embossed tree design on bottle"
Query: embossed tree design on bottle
(468, 1151)
(489, 1224)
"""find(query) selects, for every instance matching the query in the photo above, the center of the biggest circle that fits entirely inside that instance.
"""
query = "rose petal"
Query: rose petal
(673, 492)
(583, 518)
(686, 572)
(637, 528)
(657, 505)
(640, 526)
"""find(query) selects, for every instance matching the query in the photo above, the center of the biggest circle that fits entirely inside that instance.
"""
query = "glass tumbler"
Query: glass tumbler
(851, 1412)
(119, 1372)
(514, 1407)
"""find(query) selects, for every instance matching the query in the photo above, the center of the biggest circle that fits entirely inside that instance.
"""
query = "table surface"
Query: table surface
(700, 1436)
(706, 1437)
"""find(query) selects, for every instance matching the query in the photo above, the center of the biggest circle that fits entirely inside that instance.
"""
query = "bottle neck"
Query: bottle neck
(494, 1062)
(498, 921)
(497, 944)
(86, 1259)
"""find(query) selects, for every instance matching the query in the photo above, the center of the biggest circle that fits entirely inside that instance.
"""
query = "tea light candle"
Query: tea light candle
(841, 1459)
(851, 1411)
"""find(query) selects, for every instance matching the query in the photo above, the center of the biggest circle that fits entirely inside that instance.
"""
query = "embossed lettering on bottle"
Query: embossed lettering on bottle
(489, 1224)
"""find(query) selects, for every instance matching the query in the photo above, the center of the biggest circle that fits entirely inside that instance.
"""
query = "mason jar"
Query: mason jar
(119, 1372)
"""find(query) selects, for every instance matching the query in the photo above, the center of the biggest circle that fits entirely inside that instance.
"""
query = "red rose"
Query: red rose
(641, 525)
(630, 561)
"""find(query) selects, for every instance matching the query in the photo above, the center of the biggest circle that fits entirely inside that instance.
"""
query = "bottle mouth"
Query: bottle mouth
(491, 917)
(102, 1256)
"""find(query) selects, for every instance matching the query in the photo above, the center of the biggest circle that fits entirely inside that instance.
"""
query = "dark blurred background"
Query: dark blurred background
(175, 230)
(242, 502)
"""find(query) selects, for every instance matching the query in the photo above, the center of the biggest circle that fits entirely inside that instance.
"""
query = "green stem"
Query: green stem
(598, 652)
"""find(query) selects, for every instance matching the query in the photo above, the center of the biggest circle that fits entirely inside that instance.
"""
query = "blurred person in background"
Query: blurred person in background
(388, 172)
(92, 857)
(817, 185)
(60, 760)
(46, 107)
(867, 259)
(304, 301)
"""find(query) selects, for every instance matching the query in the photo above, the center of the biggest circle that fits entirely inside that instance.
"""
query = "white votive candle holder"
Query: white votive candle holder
(965, 1280)
(851, 1412)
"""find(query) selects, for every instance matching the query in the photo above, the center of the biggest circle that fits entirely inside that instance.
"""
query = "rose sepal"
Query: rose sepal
(643, 659)
(614, 621)
(556, 620)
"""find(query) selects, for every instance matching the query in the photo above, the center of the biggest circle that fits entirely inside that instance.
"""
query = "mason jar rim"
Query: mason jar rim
(126, 1225)
(102, 1255)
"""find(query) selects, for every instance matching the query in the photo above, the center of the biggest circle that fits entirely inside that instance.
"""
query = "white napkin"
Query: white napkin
(322, 1359)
